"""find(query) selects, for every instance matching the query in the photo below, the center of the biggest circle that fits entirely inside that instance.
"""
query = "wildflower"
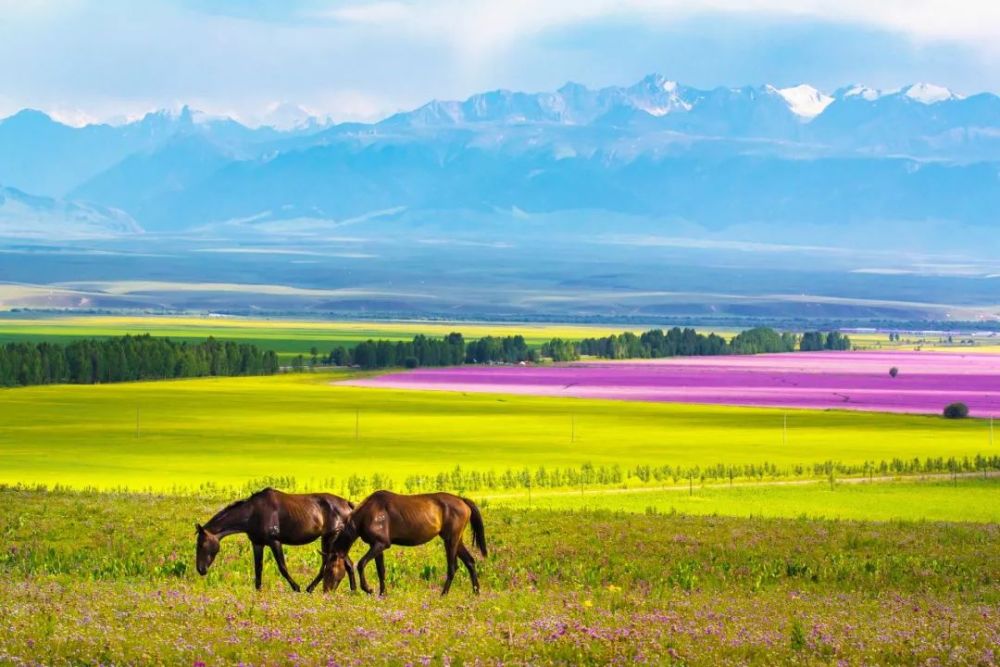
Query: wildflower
(588, 603)
(614, 589)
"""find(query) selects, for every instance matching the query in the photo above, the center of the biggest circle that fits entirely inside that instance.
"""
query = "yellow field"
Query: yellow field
(231, 430)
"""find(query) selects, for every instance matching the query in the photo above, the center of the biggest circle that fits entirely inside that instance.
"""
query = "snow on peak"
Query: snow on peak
(928, 93)
(287, 116)
(864, 92)
(658, 96)
(804, 100)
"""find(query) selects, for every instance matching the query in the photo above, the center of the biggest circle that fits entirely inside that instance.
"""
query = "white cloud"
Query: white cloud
(84, 59)
(480, 27)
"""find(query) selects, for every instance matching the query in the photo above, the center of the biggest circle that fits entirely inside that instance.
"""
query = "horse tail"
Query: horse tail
(478, 531)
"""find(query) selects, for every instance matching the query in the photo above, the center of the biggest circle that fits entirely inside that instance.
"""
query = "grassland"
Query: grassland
(230, 431)
(107, 578)
(965, 499)
(613, 575)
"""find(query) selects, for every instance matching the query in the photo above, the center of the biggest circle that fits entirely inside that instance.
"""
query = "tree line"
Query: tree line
(589, 476)
(128, 358)
(677, 342)
(816, 340)
(452, 350)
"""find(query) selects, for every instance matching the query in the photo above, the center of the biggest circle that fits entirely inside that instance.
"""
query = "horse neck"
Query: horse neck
(228, 521)
(348, 536)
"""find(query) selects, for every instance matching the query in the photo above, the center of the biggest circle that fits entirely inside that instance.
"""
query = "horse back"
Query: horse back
(409, 520)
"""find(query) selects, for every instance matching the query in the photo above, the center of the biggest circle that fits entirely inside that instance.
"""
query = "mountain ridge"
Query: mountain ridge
(676, 156)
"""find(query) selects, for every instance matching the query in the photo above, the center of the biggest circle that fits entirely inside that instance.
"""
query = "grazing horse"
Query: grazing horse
(271, 518)
(385, 518)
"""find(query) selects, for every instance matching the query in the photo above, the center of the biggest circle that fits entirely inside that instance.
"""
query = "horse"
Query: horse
(271, 518)
(385, 518)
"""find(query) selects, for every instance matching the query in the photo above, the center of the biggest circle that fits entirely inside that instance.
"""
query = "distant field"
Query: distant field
(232, 430)
(291, 336)
(850, 380)
(287, 337)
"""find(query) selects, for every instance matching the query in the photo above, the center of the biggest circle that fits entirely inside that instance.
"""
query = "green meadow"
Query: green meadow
(108, 578)
(970, 498)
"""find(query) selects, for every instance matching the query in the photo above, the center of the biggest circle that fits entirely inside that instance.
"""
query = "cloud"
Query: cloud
(86, 59)
(479, 27)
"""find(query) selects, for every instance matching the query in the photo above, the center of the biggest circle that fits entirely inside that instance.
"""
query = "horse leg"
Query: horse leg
(470, 565)
(451, 554)
(326, 560)
(350, 572)
(279, 557)
(258, 564)
(380, 567)
(373, 553)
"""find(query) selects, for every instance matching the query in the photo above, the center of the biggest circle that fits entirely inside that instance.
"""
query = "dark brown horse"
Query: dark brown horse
(271, 518)
(385, 518)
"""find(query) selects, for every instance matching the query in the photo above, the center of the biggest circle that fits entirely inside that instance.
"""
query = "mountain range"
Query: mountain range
(756, 162)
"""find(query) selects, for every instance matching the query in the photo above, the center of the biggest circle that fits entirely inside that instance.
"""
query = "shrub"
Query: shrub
(956, 411)
(893, 372)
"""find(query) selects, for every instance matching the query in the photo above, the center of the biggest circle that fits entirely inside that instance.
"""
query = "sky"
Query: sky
(111, 60)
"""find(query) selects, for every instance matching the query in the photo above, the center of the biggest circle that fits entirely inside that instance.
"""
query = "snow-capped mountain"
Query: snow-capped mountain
(657, 149)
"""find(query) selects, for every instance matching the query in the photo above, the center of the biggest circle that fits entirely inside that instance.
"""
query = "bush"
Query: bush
(956, 411)
(893, 372)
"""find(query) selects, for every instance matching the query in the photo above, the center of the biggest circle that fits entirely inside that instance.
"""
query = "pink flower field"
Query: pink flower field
(927, 381)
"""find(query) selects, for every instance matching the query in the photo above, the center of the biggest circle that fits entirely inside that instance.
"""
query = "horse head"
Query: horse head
(335, 572)
(207, 547)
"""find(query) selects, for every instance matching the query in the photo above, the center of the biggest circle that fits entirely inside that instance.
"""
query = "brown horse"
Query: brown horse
(271, 518)
(385, 518)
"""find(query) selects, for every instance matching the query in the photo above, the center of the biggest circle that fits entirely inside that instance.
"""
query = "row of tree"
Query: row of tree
(460, 480)
(128, 358)
(452, 350)
(677, 342)
(817, 340)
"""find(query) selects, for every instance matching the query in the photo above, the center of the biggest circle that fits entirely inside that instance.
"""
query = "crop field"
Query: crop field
(178, 435)
(923, 382)
(90, 578)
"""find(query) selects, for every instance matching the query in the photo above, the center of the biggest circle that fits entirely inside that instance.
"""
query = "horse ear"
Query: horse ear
(198, 528)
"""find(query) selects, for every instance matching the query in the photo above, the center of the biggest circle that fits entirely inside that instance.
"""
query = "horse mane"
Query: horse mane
(236, 504)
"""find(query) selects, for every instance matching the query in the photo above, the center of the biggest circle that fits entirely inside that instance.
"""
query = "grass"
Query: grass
(965, 499)
(89, 578)
(229, 431)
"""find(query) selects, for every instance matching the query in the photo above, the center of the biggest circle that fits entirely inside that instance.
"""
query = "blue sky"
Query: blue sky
(101, 59)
